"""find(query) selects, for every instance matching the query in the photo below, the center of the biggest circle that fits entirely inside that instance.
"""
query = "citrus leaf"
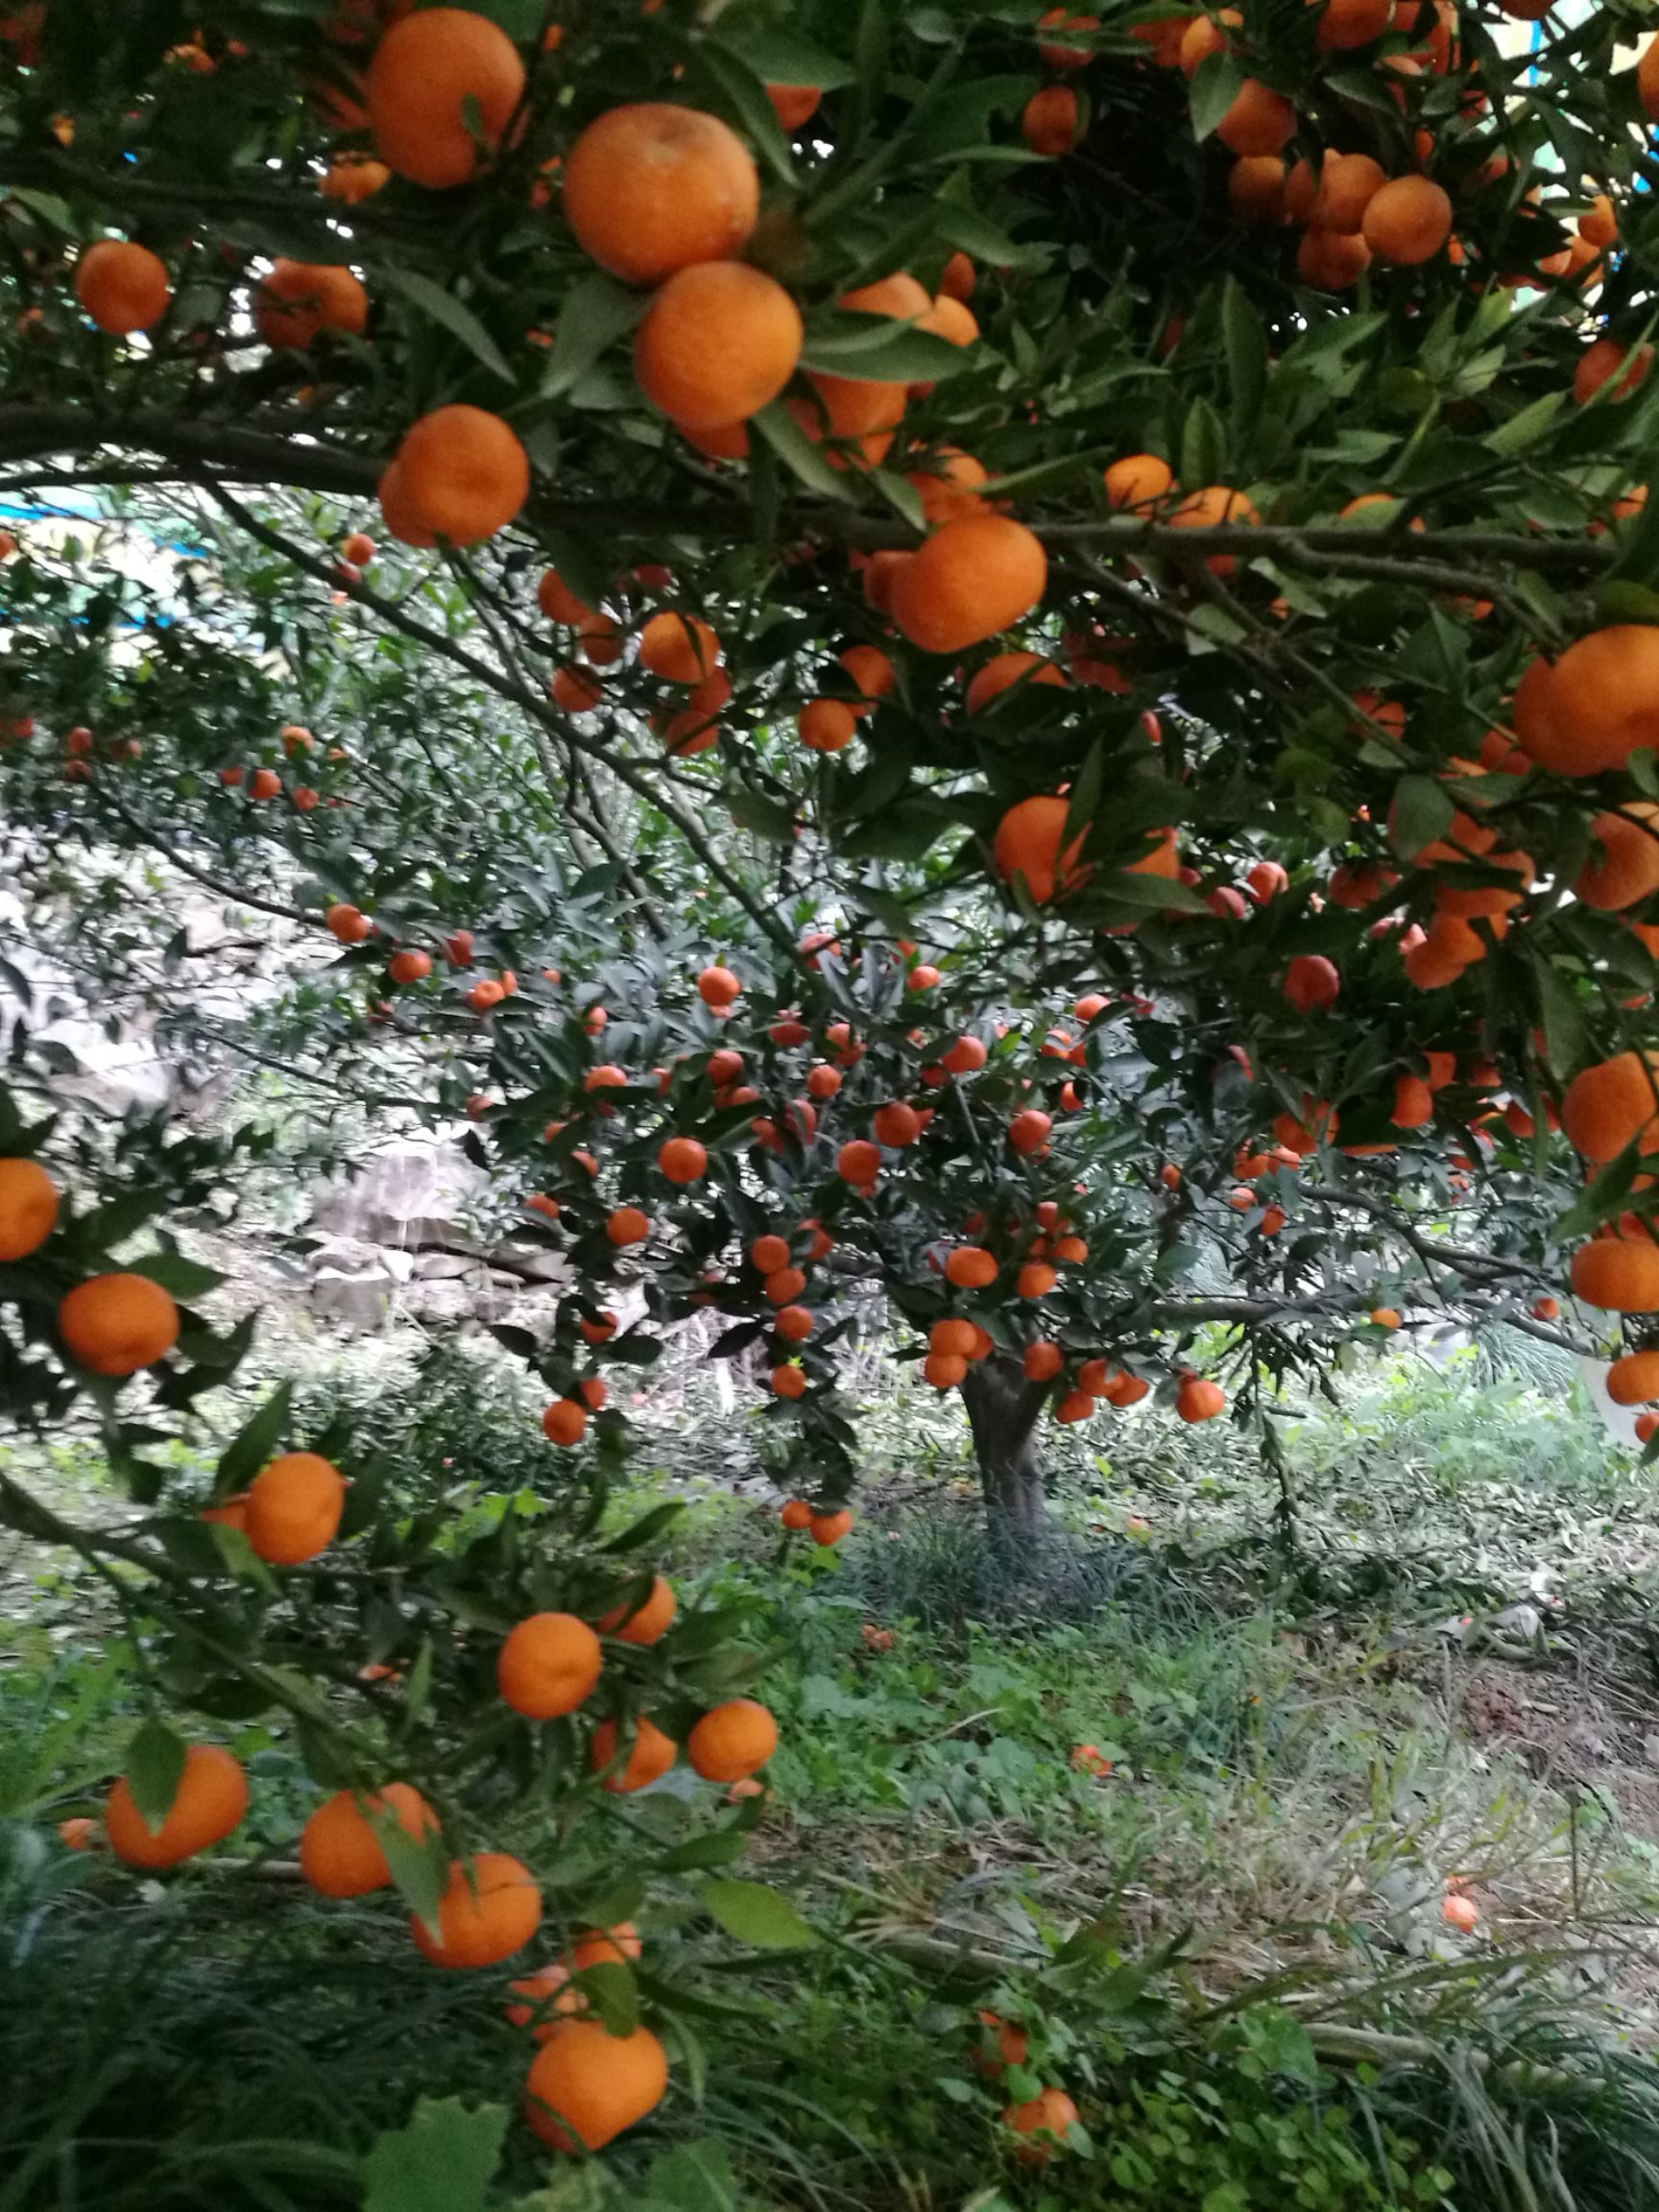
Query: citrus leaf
(153, 1769)
(752, 1913)
(459, 320)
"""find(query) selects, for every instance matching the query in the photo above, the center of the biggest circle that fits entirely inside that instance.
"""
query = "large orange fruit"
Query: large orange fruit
(1624, 865)
(679, 648)
(115, 1324)
(1407, 221)
(719, 341)
(647, 1622)
(1003, 670)
(463, 471)
(28, 1207)
(732, 1741)
(1634, 1380)
(548, 1664)
(1596, 706)
(490, 1909)
(397, 512)
(853, 413)
(1260, 121)
(587, 2085)
(294, 1508)
(298, 299)
(650, 1755)
(123, 287)
(340, 1853)
(1619, 1275)
(1027, 845)
(211, 1799)
(975, 576)
(440, 82)
(651, 188)
(1612, 1103)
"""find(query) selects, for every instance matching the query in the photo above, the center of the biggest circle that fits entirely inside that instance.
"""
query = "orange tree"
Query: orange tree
(761, 388)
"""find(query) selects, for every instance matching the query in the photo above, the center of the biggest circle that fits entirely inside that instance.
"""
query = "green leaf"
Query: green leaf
(695, 2177)
(752, 1913)
(153, 1769)
(751, 810)
(741, 91)
(719, 1849)
(459, 320)
(611, 1992)
(1216, 86)
(1562, 1018)
(253, 1443)
(905, 831)
(1246, 343)
(183, 1278)
(1529, 427)
(1203, 445)
(797, 452)
(596, 312)
(1422, 811)
(780, 56)
(420, 1869)
(877, 349)
(442, 2161)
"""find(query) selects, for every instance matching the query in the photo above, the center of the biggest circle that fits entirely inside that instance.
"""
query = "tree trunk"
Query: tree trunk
(1003, 1409)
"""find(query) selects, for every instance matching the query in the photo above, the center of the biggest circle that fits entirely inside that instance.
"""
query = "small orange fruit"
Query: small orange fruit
(734, 1740)
(121, 286)
(587, 2085)
(650, 1755)
(294, 1508)
(115, 1324)
(340, 1853)
(29, 1201)
(462, 470)
(719, 341)
(210, 1801)
(549, 1665)
(490, 1909)
(648, 1620)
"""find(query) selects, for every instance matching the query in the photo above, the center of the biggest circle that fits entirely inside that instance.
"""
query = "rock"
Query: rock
(407, 1195)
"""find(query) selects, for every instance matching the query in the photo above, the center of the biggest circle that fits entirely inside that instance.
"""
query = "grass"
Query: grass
(1228, 1948)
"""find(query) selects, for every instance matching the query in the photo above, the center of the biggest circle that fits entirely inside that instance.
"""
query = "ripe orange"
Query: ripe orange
(650, 1755)
(212, 1799)
(859, 416)
(549, 1665)
(1648, 79)
(439, 82)
(340, 1853)
(565, 1422)
(1624, 865)
(1259, 121)
(587, 2085)
(789, 1381)
(1346, 186)
(649, 189)
(827, 725)
(648, 1620)
(970, 1267)
(958, 280)
(1028, 846)
(948, 319)
(896, 1125)
(793, 104)
(829, 1528)
(1043, 1361)
(121, 286)
(1198, 1400)
(490, 1909)
(1596, 706)
(115, 1324)
(953, 1337)
(1332, 260)
(1029, 1132)
(1619, 1275)
(1311, 982)
(1137, 482)
(1036, 1279)
(797, 1514)
(28, 1207)
(1407, 221)
(679, 648)
(734, 1740)
(975, 576)
(294, 1508)
(1003, 670)
(871, 672)
(627, 1225)
(719, 341)
(858, 1162)
(1256, 188)
(769, 1254)
(1634, 1380)
(576, 692)
(463, 471)
(409, 967)
(299, 301)
(1049, 2113)
(1048, 123)
(1348, 23)
(398, 513)
(348, 925)
(944, 1370)
(351, 179)
(1607, 360)
(793, 1323)
(1611, 1104)
(682, 1160)
(717, 986)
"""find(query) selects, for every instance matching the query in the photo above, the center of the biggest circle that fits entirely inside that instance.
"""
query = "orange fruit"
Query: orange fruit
(1624, 865)
(348, 925)
(1003, 670)
(734, 1740)
(719, 341)
(648, 1620)
(294, 1508)
(1043, 1361)
(682, 1160)
(28, 1207)
(970, 1267)
(1348, 23)
(651, 188)
(352, 179)
(559, 603)
(1621, 1276)
(786, 1285)
(439, 82)
(1407, 221)
(1137, 482)
(852, 412)
(958, 279)
(1600, 226)
(212, 1799)
(829, 1528)
(769, 1254)
(1199, 1400)
(121, 286)
(1259, 121)
(549, 1665)
(789, 1381)
(1634, 1380)
(398, 513)
(858, 1162)
(975, 575)
(827, 725)
(587, 2085)
(340, 1853)
(1049, 122)
(1332, 260)
(1607, 360)
(565, 1422)
(299, 301)
(679, 648)
(797, 1514)
(1346, 186)
(115, 1324)
(1256, 188)
(793, 1323)
(1049, 2113)
(490, 1909)
(1612, 1104)
(948, 319)
(944, 1370)
(650, 1755)
(953, 1337)
(793, 104)
(1027, 847)
(627, 1225)
(409, 967)
(1597, 705)
(896, 1125)
(871, 672)
(534, 2000)
(463, 471)
(898, 296)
